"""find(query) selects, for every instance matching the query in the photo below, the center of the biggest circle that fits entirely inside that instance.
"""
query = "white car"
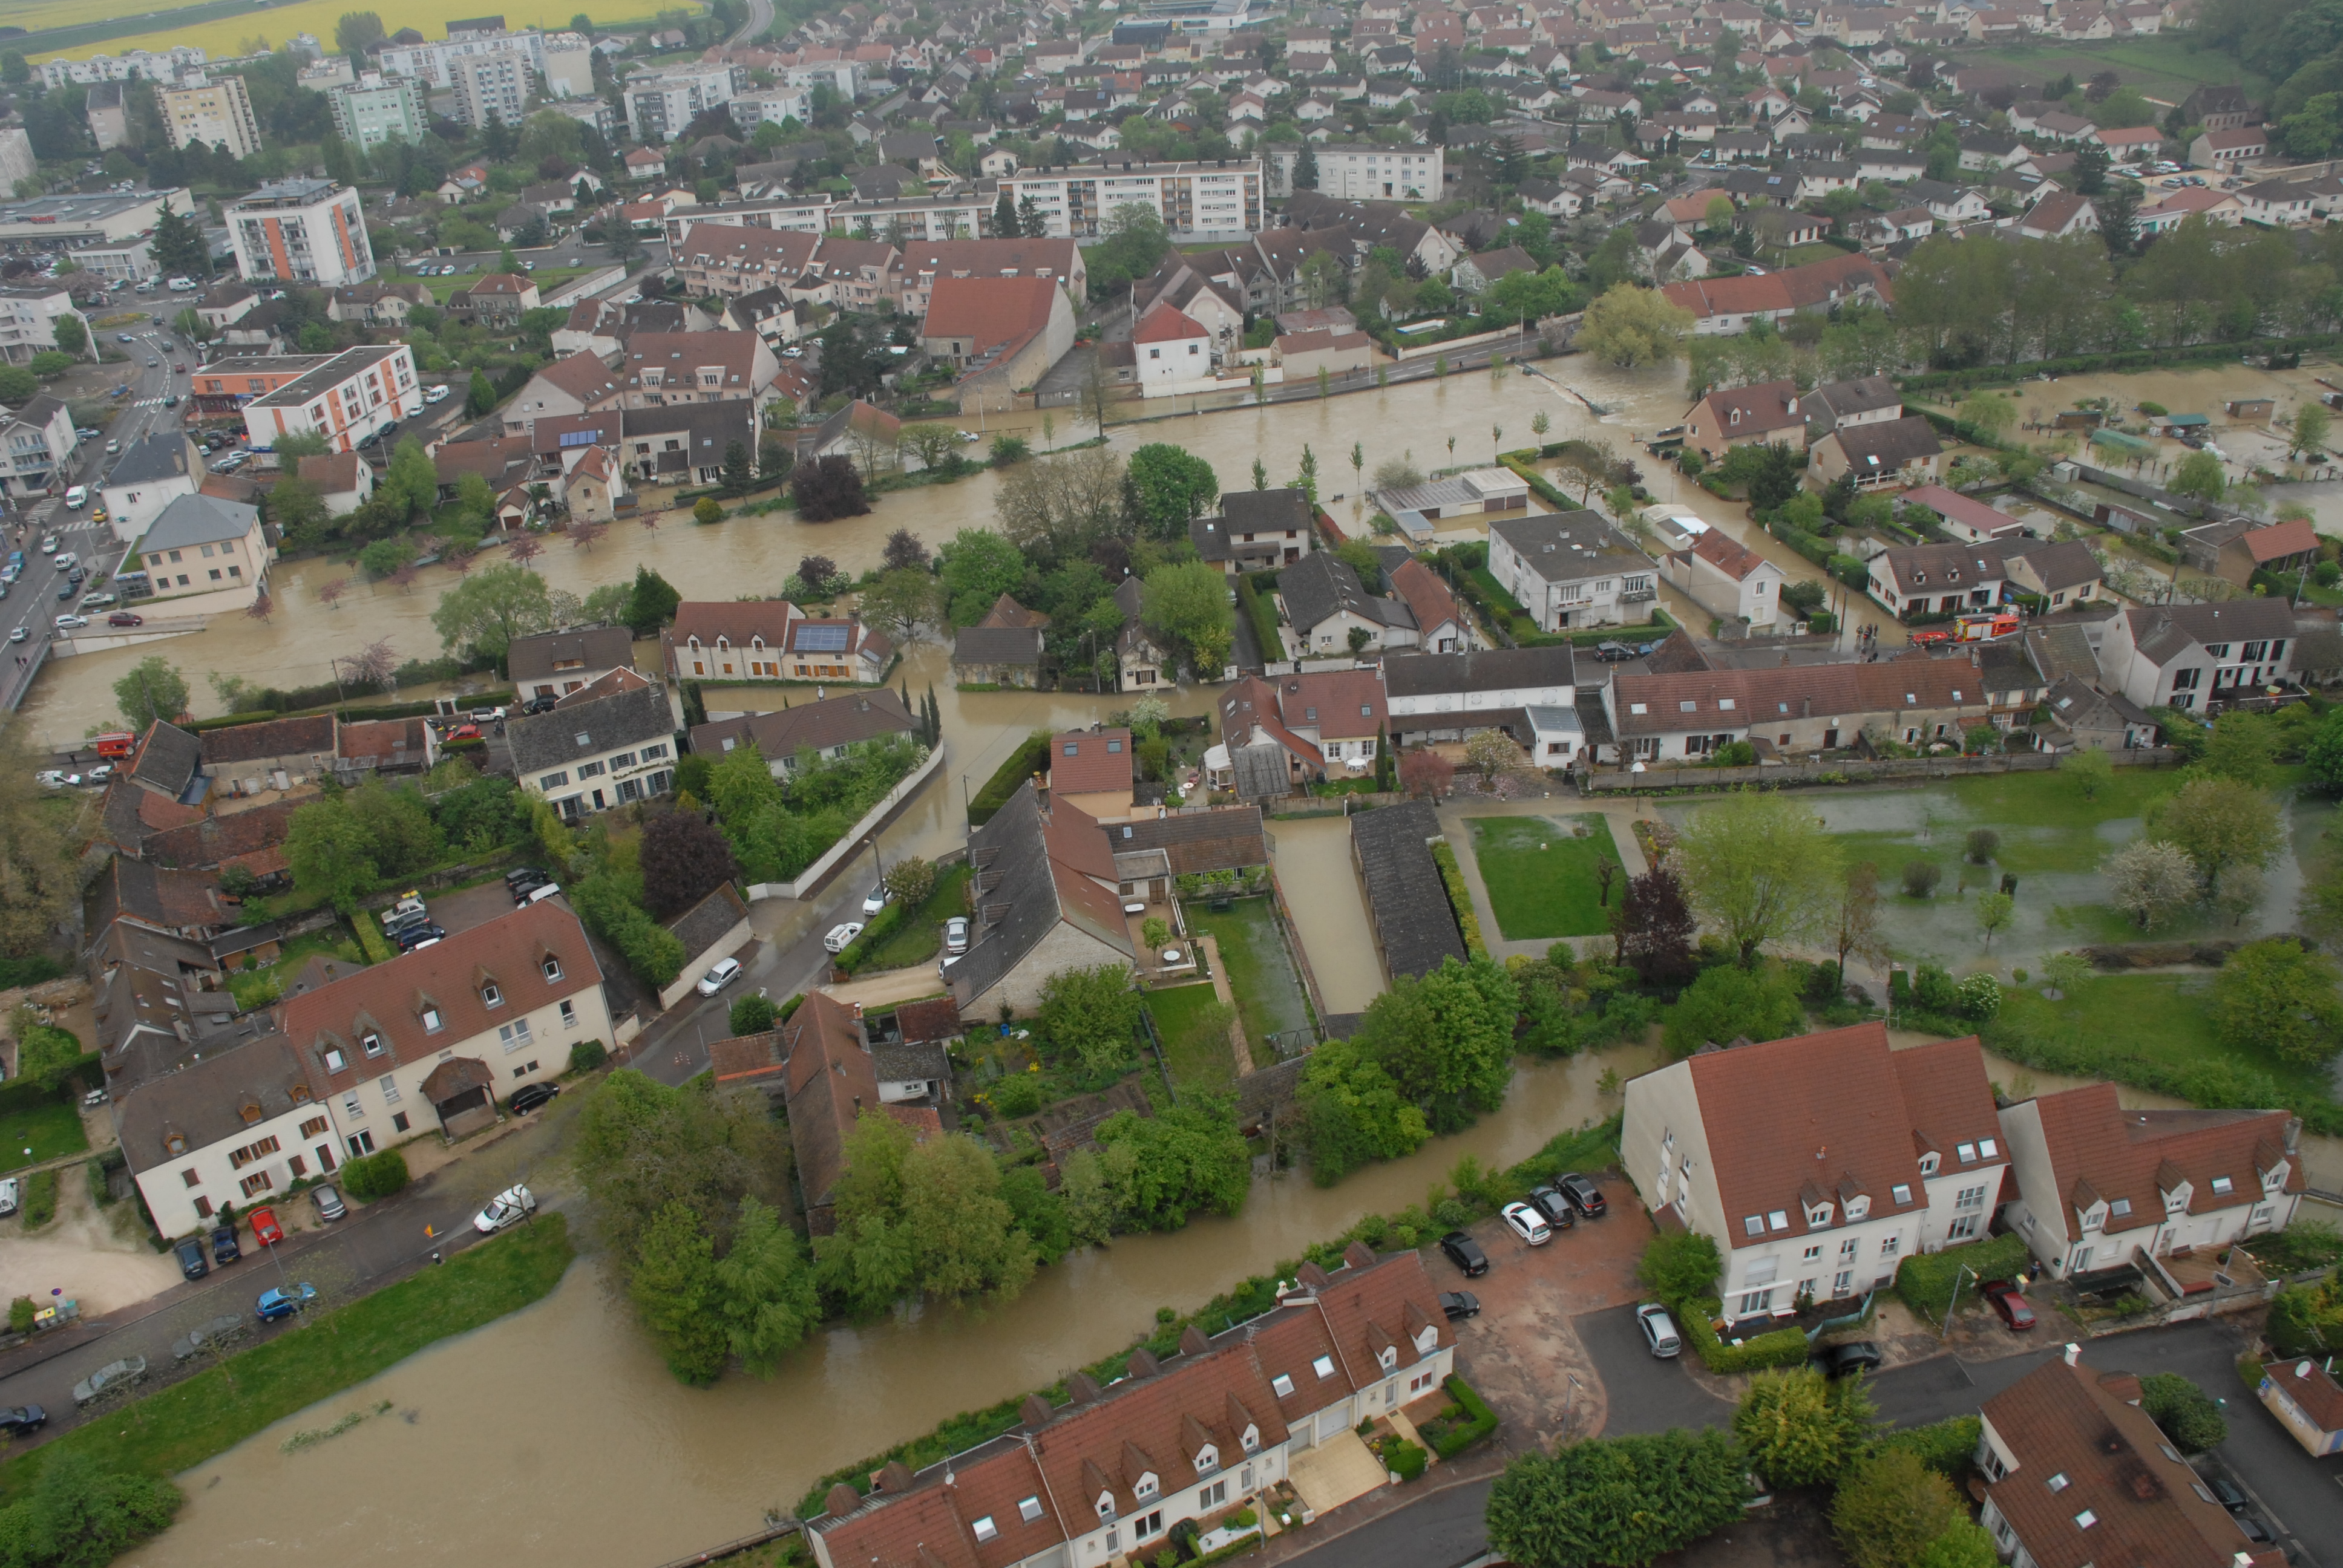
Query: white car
(18, 635)
(436, 395)
(874, 900)
(99, 774)
(1659, 1330)
(956, 935)
(842, 935)
(8, 1192)
(72, 623)
(55, 779)
(725, 971)
(1527, 1223)
(507, 1208)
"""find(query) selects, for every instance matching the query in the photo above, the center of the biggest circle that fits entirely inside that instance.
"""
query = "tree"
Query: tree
(707, 511)
(2242, 746)
(650, 603)
(1855, 929)
(901, 600)
(1965, 1544)
(1620, 1500)
(828, 487)
(1890, 1508)
(739, 468)
(765, 1298)
(1681, 1267)
(489, 608)
(2306, 431)
(1758, 865)
(936, 446)
(79, 1514)
(330, 852)
(977, 566)
(2278, 995)
(1175, 487)
(153, 692)
(1062, 506)
(1160, 1169)
(1090, 1016)
(904, 549)
(672, 1283)
(46, 1053)
(2089, 768)
(1652, 928)
(1445, 1039)
(413, 479)
(178, 246)
(357, 32)
(1426, 773)
(2218, 823)
(1728, 1001)
(910, 879)
(72, 336)
(1991, 412)
(2201, 475)
(2188, 1414)
(18, 385)
(685, 857)
(1189, 602)
(819, 575)
(1800, 1428)
(1628, 327)
(1993, 912)
(480, 397)
(2149, 880)
(1305, 166)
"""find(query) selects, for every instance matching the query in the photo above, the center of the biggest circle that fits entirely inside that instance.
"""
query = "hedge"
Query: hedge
(2132, 360)
(40, 1199)
(1925, 1280)
(1257, 607)
(881, 927)
(1780, 1348)
(1031, 758)
(372, 1176)
(1946, 1446)
(1459, 897)
(1252, 1543)
(1457, 1439)
(35, 970)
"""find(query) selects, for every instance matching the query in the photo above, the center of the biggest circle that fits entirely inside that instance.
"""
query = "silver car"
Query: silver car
(1659, 1330)
(206, 1336)
(113, 1374)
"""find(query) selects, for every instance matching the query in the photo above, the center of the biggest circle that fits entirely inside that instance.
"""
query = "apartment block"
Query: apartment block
(490, 87)
(376, 108)
(309, 230)
(1198, 202)
(1367, 173)
(218, 113)
(347, 399)
(659, 106)
(434, 63)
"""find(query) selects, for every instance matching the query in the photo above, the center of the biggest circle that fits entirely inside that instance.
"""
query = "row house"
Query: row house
(742, 641)
(1782, 710)
(665, 369)
(1726, 306)
(2192, 656)
(1530, 693)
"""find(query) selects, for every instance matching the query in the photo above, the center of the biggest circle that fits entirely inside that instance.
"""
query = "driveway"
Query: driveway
(459, 911)
(1644, 1392)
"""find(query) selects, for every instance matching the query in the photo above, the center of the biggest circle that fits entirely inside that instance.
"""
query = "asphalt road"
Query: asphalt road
(1644, 1392)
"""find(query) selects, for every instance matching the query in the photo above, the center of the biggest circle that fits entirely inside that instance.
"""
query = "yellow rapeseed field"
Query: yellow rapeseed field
(278, 23)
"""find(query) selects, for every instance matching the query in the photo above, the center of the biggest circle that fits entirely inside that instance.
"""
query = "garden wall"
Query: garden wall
(578, 288)
(852, 839)
(1852, 771)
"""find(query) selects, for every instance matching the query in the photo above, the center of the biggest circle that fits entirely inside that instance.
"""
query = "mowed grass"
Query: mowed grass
(191, 1422)
(49, 1128)
(1199, 1056)
(920, 936)
(1268, 992)
(2163, 1019)
(2169, 60)
(1541, 876)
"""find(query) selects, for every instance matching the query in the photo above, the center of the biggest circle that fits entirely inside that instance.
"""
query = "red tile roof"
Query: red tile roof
(989, 311)
(2292, 538)
(1729, 555)
(734, 623)
(583, 376)
(1340, 704)
(1793, 289)
(831, 1082)
(2098, 1149)
(1427, 596)
(2311, 1389)
(1089, 762)
(1165, 325)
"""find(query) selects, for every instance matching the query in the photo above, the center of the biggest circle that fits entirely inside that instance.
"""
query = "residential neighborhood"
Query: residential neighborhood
(1379, 783)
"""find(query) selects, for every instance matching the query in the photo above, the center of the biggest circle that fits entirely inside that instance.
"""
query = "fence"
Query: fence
(1851, 772)
(852, 839)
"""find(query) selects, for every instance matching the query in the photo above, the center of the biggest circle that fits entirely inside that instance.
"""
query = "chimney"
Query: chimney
(2074, 1354)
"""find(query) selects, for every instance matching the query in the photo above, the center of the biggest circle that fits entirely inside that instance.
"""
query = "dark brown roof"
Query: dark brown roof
(216, 841)
(938, 1019)
(1224, 838)
(271, 737)
(832, 1083)
(810, 726)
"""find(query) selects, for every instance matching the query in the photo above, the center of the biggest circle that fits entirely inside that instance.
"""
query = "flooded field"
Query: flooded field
(513, 1432)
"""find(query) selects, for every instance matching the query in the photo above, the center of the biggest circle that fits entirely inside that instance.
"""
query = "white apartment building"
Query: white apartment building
(659, 107)
(147, 476)
(2190, 654)
(166, 66)
(1571, 569)
(434, 63)
(566, 64)
(609, 744)
(1355, 171)
(751, 110)
(1817, 1163)
(376, 108)
(1532, 691)
(843, 76)
(233, 1127)
(28, 322)
(215, 112)
(309, 231)
(36, 443)
(1198, 202)
(490, 87)
(347, 399)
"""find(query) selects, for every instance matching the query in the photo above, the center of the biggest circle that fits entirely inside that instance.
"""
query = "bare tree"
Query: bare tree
(261, 608)
(373, 664)
(330, 594)
(524, 549)
(650, 521)
(582, 535)
(403, 577)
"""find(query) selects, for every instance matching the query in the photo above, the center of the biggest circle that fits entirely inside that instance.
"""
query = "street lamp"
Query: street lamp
(1955, 1301)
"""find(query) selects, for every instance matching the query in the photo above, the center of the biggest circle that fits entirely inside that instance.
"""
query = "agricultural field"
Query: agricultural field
(2165, 67)
(225, 36)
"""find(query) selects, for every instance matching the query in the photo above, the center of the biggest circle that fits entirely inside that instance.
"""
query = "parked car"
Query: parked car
(1460, 1304)
(2009, 1306)
(197, 1339)
(100, 600)
(224, 1249)
(956, 935)
(1527, 1223)
(436, 395)
(125, 618)
(1613, 652)
(509, 1207)
(1583, 1194)
(10, 1196)
(1553, 1208)
(721, 974)
(410, 937)
(875, 901)
(192, 1261)
(1465, 1253)
(15, 634)
(99, 774)
(464, 732)
(113, 1374)
(1659, 1330)
(842, 935)
(265, 1228)
(1838, 1361)
(2225, 1492)
(328, 1204)
(71, 622)
(2254, 1530)
(541, 704)
(538, 894)
(528, 1097)
(409, 905)
(276, 1303)
(518, 881)
(392, 926)
(16, 1420)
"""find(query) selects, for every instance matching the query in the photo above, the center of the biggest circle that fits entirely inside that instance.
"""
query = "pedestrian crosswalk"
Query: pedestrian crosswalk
(148, 403)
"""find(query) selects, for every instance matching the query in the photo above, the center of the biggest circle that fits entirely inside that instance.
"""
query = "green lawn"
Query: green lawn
(260, 986)
(2165, 1019)
(921, 935)
(1541, 876)
(1198, 1056)
(214, 1410)
(1268, 992)
(2165, 65)
(51, 1128)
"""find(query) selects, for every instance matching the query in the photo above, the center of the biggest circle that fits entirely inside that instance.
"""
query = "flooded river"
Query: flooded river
(555, 1435)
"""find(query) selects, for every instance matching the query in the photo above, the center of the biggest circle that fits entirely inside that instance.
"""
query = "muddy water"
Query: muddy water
(1330, 912)
(554, 1435)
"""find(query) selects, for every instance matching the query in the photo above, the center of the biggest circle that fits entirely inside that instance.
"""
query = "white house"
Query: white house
(1571, 569)
(1169, 347)
(231, 1127)
(1531, 693)
(204, 556)
(36, 441)
(2187, 655)
(2099, 1185)
(1726, 577)
(148, 476)
(605, 745)
(1817, 1163)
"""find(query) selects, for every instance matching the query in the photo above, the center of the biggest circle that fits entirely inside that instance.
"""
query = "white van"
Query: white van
(183, 286)
(77, 498)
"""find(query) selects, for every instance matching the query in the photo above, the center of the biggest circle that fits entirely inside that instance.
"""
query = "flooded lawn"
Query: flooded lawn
(1541, 873)
(1268, 992)
(1330, 911)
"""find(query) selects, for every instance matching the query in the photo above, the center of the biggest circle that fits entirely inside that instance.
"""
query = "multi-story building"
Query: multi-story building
(109, 121)
(770, 639)
(1571, 569)
(434, 63)
(376, 108)
(607, 745)
(73, 222)
(1530, 691)
(348, 398)
(751, 110)
(2194, 655)
(662, 369)
(36, 443)
(205, 555)
(215, 112)
(660, 104)
(566, 64)
(1362, 172)
(149, 476)
(308, 231)
(490, 87)
(171, 64)
(28, 322)
(1888, 1153)
(1198, 202)
(227, 386)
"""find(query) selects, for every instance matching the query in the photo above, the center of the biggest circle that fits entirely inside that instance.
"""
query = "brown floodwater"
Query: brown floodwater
(1330, 911)
(554, 1435)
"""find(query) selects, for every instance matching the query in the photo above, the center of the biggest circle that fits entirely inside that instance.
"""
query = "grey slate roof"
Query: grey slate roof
(1320, 585)
(1892, 443)
(701, 927)
(1225, 838)
(204, 1101)
(2060, 563)
(1582, 545)
(997, 645)
(551, 740)
(2164, 632)
(1012, 847)
(1405, 896)
(167, 759)
(846, 720)
(597, 649)
(2058, 651)
(1865, 396)
(903, 1063)
(1261, 511)
(162, 455)
(197, 519)
(1484, 670)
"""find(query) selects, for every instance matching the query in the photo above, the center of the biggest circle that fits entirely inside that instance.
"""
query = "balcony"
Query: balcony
(1638, 595)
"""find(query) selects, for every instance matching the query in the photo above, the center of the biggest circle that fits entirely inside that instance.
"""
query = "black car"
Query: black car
(528, 1097)
(15, 1420)
(1583, 1194)
(2254, 1530)
(224, 1249)
(541, 704)
(1460, 1304)
(406, 922)
(1554, 1206)
(1838, 1361)
(1465, 1253)
(1614, 652)
(525, 878)
(2225, 1492)
(410, 937)
(192, 1261)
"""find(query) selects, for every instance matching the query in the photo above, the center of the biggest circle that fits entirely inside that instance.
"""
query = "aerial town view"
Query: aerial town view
(1058, 784)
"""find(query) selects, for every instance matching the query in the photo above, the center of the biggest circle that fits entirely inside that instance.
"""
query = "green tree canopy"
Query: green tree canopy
(1189, 602)
(154, 690)
(1175, 487)
(1630, 325)
(330, 852)
(650, 603)
(1680, 1266)
(490, 608)
(978, 566)
(1162, 1169)
(2275, 994)
(1617, 1500)
(1759, 867)
(1890, 1508)
(2218, 823)
(1728, 1001)
(1800, 1428)
(1089, 1015)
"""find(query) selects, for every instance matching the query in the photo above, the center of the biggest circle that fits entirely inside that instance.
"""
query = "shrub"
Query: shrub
(40, 1199)
(1780, 1348)
(1680, 1266)
(1921, 877)
(1925, 1280)
(1946, 1446)
(1979, 996)
(1802, 1429)
(1479, 1422)
(2186, 1412)
(1405, 1460)
(1983, 842)
(20, 1315)
(373, 1176)
(1019, 1094)
(587, 1055)
(1890, 1509)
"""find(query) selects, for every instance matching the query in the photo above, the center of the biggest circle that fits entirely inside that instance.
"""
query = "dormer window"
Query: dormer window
(2222, 1186)
(2176, 1200)
(1208, 1459)
(1858, 1208)
(489, 995)
(1251, 1439)
(1819, 1214)
(334, 1060)
(1901, 1192)
(1323, 1366)
(432, 1022)
(1144, 1489)
(551, 966)
(1106, 1505)
(370, 1043)
(1387, 1358)
(1282, 1385)
(177, 1142)
(1927, 1164)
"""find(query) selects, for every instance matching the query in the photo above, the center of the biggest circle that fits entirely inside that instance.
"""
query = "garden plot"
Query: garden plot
(1261, 978)
(1541, 873)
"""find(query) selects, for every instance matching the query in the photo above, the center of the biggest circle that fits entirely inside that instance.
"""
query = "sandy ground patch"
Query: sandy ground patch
(96, 1256)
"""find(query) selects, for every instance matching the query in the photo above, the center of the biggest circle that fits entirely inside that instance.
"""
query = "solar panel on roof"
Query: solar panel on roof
(822, 639)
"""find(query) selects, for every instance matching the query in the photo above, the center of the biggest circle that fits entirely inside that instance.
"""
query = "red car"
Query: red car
(265, 1228)
(2005, 1300)
(124, 617)
(464, 732)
